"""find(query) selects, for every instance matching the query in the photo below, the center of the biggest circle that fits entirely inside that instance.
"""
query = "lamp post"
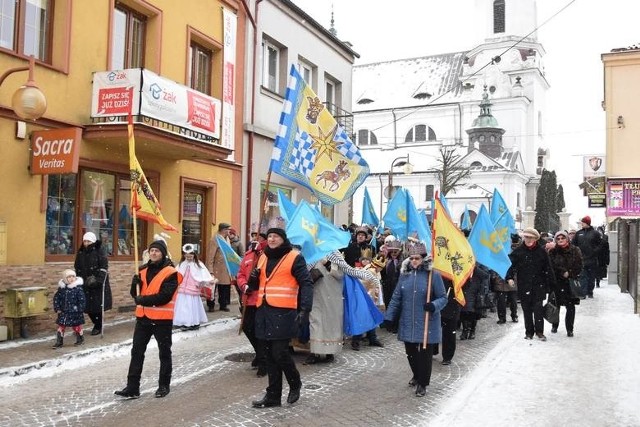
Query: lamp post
(488, 195)
(28, 102)
(407, 169)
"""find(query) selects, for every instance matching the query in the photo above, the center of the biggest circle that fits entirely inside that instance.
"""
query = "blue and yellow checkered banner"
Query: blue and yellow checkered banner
(312, 149)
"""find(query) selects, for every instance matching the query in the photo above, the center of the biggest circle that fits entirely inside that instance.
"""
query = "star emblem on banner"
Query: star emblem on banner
(324, 144)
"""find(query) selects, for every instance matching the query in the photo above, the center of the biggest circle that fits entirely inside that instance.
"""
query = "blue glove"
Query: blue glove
(430, 307)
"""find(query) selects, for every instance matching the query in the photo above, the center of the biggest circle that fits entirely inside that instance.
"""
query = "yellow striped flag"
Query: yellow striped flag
(452, 253)
(143, 201)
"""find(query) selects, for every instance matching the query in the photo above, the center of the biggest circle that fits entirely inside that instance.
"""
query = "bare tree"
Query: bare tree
(451, 174)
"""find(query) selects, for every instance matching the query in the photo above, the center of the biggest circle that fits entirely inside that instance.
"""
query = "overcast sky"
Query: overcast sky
(574, 40)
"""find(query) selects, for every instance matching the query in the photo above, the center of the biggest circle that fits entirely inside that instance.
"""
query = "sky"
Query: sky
(574, 41)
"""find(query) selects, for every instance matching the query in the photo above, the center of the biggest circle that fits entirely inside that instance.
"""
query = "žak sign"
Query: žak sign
(55, 151)
(115, 100)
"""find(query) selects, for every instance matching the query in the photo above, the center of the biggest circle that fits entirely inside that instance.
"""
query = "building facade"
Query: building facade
(284, 35)
(412, 109)
(176, 70)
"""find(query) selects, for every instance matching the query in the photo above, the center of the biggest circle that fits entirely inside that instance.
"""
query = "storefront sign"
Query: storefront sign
(597, 200)
(55, 151)
(623, 197)
(593, 166)
(228, 81)
(142, 92)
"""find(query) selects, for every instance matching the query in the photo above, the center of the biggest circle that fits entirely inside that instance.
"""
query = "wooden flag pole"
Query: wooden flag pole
(433, 240)
(135, 245)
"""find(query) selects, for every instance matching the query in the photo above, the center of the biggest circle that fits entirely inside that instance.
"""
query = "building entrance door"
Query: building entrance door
(193, 216)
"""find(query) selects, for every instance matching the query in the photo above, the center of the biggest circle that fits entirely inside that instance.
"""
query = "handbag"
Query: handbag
(551, 310)
(206, 291)
(575, 288)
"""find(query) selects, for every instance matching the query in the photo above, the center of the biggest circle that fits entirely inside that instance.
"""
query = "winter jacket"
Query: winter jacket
(589, 241)
(248, 263)
(452, 310)
(215, 262)
(407, 305)
(563, 260)
(477, 285)
(274, 323)
(531, 268)
(69, 302)
(91, 264)
(604, 258)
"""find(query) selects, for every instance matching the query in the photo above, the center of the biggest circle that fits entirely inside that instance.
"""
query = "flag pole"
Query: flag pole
(135, 247)
(433, 244)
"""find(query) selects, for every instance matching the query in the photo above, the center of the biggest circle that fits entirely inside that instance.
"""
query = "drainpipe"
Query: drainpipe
(395, 142)
(254, 23)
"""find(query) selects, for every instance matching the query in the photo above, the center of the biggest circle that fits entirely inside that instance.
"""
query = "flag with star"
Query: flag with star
(312, 149)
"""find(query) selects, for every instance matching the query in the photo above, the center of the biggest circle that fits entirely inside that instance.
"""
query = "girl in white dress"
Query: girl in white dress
(189, 311)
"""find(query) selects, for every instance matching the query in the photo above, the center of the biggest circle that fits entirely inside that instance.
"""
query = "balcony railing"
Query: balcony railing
(343, 117)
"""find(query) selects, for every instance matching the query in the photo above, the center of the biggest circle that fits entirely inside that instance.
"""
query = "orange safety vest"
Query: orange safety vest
(161, 312)
(280, 289)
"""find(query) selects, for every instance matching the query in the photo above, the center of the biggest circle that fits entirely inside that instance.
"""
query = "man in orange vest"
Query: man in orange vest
(154, 291)
(285, 297)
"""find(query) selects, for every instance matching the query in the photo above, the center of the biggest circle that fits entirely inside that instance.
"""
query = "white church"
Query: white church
(486, 104)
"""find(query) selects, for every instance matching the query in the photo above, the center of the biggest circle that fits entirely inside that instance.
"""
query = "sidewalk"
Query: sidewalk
(20, 356)
(591, 378)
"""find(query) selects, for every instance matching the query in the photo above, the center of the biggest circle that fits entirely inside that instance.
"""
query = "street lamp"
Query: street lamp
(407, 169)
(28, 102)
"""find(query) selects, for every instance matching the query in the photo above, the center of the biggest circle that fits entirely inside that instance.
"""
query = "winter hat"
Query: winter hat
(160, 245)
(188, 248)
(362, 230)
(279, 231)
(68, 272)
(223, 226)
(561, 233)
(418, 249)
(531, 232)
(233, 231)
(90, 236)
(586, 220)
(263, 235)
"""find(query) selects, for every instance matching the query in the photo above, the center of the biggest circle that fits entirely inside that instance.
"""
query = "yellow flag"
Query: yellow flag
(452, 253)
(143, 201)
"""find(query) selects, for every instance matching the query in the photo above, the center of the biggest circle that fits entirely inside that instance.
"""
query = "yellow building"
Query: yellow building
(179, 70)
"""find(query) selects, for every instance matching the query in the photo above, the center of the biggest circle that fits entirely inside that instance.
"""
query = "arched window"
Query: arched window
(420, 133)
(366, 137)
(498, 17)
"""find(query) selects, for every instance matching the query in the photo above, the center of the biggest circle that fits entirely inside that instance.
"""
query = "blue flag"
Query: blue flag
(466, 219)
(312, 149)
(314, 233)
(287, 207)
(445, 204)
(368, 213)
(231, 258)
(487, 246)
(501, 218)
(404, 220)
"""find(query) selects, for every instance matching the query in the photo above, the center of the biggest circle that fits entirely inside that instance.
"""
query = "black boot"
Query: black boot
(266, 402)
(472, 330)
(58, 343)
(79, 339)
(466, 328)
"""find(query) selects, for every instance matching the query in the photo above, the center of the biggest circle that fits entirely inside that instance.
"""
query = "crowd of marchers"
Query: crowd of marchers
(286, 302)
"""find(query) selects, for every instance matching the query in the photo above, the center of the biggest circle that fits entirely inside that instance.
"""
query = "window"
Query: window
(26, 27)
(419, 133)
(101, 206)
(428, 189)
(330, 96)
(306, 71)
(271, 67)
(498, 16)
(128, 39)
(366, 137)
(200, 71)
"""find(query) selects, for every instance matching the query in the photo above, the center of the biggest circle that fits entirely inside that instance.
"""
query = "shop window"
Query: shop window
(26, 27)
(102, 207)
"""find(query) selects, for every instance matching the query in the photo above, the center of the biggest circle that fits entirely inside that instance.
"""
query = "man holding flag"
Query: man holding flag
(218, 269)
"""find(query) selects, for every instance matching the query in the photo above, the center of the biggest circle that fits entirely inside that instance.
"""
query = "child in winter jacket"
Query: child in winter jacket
(69, 304)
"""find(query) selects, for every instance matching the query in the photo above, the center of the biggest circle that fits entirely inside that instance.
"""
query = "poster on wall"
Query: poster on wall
(228, 78)
(623, 197)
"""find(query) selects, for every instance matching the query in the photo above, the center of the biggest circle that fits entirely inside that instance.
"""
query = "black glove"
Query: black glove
(136, 281)
(303, 317)
(91, 282)
(430, 307)
(254, 280)
(138, 300)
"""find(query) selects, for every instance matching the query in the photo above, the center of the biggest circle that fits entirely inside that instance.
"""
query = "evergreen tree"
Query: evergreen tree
(547, 218)
(560, 199)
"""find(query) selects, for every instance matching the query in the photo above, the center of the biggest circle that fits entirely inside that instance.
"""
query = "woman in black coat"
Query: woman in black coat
(567, 265)
(91, 265)
(531, 266)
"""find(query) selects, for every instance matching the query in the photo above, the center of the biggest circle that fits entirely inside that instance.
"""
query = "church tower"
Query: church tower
(485, 134)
